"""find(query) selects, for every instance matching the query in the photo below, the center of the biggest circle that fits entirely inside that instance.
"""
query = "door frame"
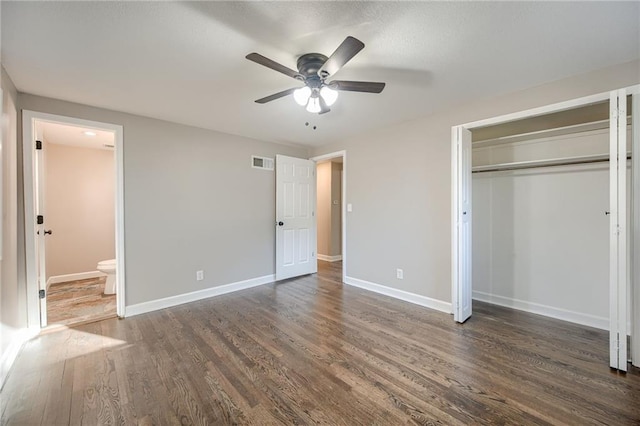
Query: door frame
(343, 199)
(28, 136)
(456, 260)
(635, 229)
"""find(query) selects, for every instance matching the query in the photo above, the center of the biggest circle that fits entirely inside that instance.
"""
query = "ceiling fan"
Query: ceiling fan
(314, 69)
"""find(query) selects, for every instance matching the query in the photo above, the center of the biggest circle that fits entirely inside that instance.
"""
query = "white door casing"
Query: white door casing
(343, 202)
(461, 264)
(635, 249)
(295, 217)
(36, 311)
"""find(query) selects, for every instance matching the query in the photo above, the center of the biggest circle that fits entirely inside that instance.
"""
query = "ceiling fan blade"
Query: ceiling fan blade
(357, 86)
(343, 54)
(324, 108)
(259, 59)
(276, 96)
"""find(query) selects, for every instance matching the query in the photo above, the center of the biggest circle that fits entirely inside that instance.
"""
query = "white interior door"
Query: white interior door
(39, 202)
(295, 217)
(618, 231)
(462, 290)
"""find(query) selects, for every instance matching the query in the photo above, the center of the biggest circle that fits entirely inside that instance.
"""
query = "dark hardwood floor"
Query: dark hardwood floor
(311, 350)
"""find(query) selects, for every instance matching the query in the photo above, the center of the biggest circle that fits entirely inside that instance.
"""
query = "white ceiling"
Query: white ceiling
(184, 61)
(64, 134)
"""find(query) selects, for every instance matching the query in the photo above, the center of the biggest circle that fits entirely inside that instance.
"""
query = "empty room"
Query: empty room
(343, 213)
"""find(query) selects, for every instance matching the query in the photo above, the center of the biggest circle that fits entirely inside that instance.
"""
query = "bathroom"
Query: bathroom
(78, 197)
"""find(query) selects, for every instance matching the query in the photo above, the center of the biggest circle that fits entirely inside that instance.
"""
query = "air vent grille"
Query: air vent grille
(262, 162)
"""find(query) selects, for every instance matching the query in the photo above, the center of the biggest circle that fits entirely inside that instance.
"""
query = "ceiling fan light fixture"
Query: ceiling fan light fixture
(314, 104)
(301, 95)
(329, 95)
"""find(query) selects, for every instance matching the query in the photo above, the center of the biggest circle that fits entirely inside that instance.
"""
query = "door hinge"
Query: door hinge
(40, 219)
(41, 294)
(38, 144)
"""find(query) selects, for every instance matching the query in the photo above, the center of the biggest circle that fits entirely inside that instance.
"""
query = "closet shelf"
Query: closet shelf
(563, 161)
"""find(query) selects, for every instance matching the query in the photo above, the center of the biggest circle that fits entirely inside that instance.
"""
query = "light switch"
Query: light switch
(349, 208)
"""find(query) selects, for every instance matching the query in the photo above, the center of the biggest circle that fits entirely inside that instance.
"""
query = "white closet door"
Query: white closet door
(635, 234)
(618, 231)
(461, 256)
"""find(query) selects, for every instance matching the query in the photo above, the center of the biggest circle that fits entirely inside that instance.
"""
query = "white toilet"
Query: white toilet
(108, 267)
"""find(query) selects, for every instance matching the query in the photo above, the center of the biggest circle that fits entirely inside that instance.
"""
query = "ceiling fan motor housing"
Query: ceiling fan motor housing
(308, 65)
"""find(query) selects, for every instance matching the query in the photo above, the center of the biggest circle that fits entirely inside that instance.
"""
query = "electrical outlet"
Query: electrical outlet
(199, 275)
(399, 274)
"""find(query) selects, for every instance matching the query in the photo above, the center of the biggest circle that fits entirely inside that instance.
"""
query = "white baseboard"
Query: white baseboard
(11, 353)
(549, 311)
(167, 302)
(428, 302)
(55, 279)
(329, 258)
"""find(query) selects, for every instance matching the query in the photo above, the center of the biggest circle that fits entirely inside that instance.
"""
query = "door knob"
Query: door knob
(280, 223)
(48, 232)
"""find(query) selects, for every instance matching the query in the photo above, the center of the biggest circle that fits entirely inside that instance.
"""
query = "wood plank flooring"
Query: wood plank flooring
(79, 301)
(313, 351)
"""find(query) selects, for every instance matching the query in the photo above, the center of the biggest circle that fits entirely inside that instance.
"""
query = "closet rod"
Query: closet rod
(567, 161)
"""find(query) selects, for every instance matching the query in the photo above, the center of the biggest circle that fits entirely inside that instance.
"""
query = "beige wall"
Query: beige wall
(336, 212)
(80, 208)
(329, 214)
(323, 171)
(399, 184)
(12, 292)
(192, 202)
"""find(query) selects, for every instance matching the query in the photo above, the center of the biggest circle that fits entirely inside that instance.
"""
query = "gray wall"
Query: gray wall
(192, 202)
(13, 309)
(399, 183)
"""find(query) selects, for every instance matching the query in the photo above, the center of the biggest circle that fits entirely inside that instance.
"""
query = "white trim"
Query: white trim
(28, 136)
(56, 279)
(329, 258)
(635, 231)
(11, 353)
(546, 310)
(167, 302)
(329, 156)
(417, 299)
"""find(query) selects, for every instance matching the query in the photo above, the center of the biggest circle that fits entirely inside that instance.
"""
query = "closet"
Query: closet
(540, 194)
(544, 218)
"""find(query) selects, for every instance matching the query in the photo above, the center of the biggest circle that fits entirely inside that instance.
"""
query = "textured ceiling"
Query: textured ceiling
(184, 62)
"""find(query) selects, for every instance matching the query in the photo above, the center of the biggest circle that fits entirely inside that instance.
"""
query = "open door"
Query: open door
(461, 273)
(295, 217)
(41, 232)
(618, 230)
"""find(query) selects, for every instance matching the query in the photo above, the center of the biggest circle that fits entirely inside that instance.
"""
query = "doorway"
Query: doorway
(331, 214)
(73, 219)
(614, 151)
